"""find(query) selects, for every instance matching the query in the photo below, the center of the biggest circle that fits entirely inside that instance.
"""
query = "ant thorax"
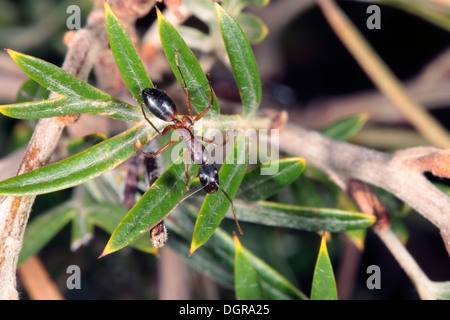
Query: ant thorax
(196, 149)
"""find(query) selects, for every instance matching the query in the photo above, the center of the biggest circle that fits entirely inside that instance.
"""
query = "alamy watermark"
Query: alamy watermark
(374, 20)
(374, 280)
(73, 22)
(263, 147)
(74, 280)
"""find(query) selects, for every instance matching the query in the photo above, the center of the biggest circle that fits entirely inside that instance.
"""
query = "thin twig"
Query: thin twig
(382, 76)
(407, 262)
(394, 173)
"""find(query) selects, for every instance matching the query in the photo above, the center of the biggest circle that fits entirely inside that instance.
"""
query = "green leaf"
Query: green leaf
(242, 59)
(216, 259)
(80, 144)
(152, 207)
(358, 237)
(433, 11)
(79, 168)
(303, 218)
(62, 106)
(256, 185)
(31, 91)
(236, 6)
(324, 285)
(82, 231)
(254, 28)
(247, 281)
(43, 228)
(203, 10)
(344, 129)
(196, 81)
(76, 96)
(216, 205)
(126, 56)
(108, 217)
(306, 192)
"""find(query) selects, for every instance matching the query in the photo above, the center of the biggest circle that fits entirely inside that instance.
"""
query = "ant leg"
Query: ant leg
(232, 208)
(186, 90)
(211, 103)
(212, 141)
(152, 155)
(148, 120)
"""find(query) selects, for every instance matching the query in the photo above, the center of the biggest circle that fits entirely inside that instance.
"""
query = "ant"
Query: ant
(163, 107)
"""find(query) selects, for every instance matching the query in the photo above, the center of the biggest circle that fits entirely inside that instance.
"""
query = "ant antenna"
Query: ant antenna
(232, 208)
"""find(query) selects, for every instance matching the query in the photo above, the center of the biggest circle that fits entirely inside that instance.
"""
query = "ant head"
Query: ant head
(209, 178)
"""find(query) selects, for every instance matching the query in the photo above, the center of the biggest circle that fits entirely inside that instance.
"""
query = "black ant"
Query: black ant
(163, 107)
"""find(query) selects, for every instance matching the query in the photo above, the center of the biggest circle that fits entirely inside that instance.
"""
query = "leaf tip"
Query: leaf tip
(107, 250)
(11, 53)
(159, 14)
(194, 246)
(107, 7)
(219, 9)
(323, 243)
(237, 242)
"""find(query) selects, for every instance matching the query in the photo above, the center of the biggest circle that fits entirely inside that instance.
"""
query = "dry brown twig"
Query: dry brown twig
(400, 174)
(369, 203)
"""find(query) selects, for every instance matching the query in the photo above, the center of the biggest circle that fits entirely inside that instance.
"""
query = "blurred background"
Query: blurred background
(306, 71)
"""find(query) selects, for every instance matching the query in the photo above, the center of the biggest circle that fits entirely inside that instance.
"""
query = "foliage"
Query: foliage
(255, 195)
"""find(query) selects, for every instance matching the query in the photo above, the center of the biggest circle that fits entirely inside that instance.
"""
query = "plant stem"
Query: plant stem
(382, 76)
(14, 211)
(407, 262)
(394, 173)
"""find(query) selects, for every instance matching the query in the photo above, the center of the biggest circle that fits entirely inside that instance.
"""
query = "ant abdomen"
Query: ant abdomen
(160, 104)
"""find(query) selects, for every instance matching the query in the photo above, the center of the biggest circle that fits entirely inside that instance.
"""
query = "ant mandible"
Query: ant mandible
(163, 107)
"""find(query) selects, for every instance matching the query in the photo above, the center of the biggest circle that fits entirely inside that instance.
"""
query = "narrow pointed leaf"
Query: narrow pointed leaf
(82, 231)
(216, 259)
(83, 143)
(436, 12)
(196, 80)
(257, 186)
(216, 205)
(62, 106)
(43, 228)
(247, 281)
(32, 91)
(152, 207)
(242, 59)
(253, 27)
(344, 129)
(303, 218)
(108, 217)
(126, 56)
(324, 284)
(76, 95)
(79, 168)
(306, 192)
